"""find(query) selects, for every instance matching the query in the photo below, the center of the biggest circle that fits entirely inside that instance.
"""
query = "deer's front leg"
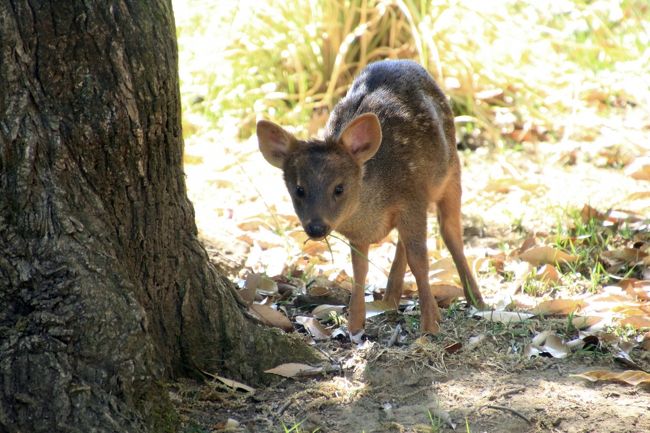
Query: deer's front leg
(413, 232)
(357, 308)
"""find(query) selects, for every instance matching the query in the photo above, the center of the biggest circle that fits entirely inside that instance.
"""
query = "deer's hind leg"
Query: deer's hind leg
(451, 230)
(396, 276)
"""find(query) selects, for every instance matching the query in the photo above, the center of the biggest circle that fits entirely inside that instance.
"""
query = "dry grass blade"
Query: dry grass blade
(286, 58)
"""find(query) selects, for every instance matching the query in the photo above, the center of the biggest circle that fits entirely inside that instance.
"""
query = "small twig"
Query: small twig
(507, 393)
(512, 411)
(334, 364)
(284, 407)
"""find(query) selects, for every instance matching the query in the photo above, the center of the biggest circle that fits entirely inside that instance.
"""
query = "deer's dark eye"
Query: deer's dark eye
(338, 190)
(300, 191)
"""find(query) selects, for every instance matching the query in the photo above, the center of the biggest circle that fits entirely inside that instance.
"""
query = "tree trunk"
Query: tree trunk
(104, 289)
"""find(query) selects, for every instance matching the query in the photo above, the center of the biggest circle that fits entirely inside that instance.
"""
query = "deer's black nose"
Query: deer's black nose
(317, 229)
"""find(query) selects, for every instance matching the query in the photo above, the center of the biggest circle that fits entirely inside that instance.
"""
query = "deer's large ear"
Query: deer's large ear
(274, 142)
(362, 137)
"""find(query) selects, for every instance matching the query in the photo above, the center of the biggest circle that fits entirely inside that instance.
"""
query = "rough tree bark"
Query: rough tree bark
(104, 289)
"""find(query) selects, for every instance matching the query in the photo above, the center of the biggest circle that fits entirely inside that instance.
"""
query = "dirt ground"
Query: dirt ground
(473, 376)
(421, 387)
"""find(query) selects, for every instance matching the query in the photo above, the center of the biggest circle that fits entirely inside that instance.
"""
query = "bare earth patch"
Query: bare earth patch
(490, 388)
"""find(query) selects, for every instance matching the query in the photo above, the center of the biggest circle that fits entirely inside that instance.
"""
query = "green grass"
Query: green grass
(588, 239)
(296, 428)
(514, 70)
(436, 423)
(194, 428)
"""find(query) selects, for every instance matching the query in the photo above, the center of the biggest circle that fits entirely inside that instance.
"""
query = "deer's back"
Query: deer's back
(417, 155)
(418, 145)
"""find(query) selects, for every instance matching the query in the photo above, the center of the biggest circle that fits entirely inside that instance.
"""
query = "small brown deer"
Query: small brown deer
(389, 151)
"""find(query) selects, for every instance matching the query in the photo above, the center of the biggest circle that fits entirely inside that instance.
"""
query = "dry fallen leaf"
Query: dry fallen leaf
(588, 213)
(313, 248)
(313, 326)
(319, 290)
(262, 284)
(546, 255)
(267, 239)
(527, 244)
(445, 294)
(548, 343)
(639, 168)
(307, 245)
(548, 273)
(252, 225)
(246, 239)
(293, 369)
(639, 289)
(477, 263)
(497, 261)
(627, 255)
(531, 350)
(453, 347)
(374, 308)
(558, 306)
(443, 271)
(631, 377)
(612, 155)
(504, 316)
(247, 295)
(612, 217)
(323, 291)
(323, 311)
(271, 317)
(639, 195)
(620, 216)
(507, 184)
(637, 322)
(555, 347)
(582, 322)
(410, 288)
(342, 279)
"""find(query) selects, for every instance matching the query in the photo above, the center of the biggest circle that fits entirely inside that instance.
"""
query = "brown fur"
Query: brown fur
(389, 152)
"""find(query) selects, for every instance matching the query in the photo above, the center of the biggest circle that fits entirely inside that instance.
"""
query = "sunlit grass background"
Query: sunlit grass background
(515, 70)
